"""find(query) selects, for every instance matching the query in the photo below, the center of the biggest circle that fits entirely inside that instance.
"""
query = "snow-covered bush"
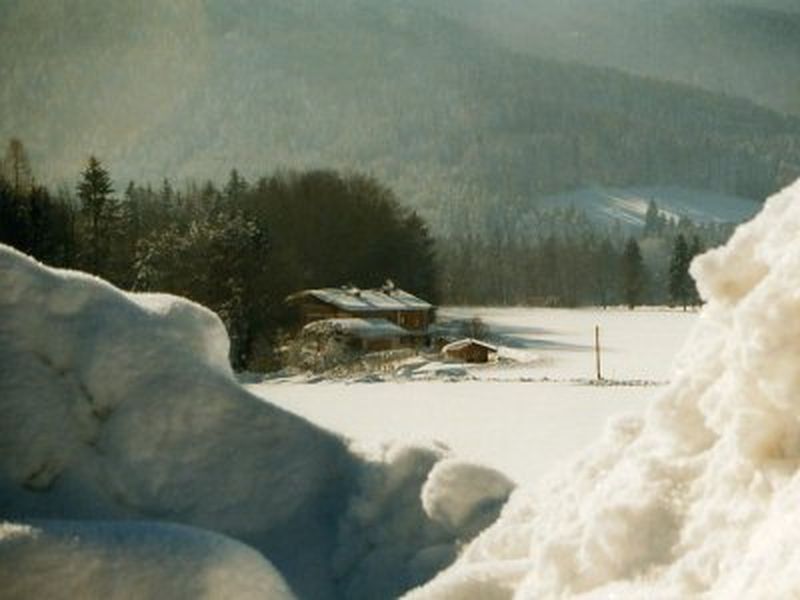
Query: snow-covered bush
(321, 348)
(318, 352)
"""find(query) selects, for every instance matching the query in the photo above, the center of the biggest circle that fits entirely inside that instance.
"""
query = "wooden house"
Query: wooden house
(388, 302)
(366, 335)
(469, 350)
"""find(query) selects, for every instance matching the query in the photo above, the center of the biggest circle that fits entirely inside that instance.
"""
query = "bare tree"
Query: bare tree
(16, 167)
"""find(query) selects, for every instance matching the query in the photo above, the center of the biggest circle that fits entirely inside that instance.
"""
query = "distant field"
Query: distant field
(520, 416)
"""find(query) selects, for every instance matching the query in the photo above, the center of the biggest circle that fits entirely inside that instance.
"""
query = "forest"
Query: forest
(464, 130)
(241, 248)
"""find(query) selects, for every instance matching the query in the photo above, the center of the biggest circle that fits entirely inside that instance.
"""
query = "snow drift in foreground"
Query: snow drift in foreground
(699, 498)
(81, 559)
(124, 407)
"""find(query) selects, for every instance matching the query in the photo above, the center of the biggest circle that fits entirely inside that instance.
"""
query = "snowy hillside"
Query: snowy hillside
(699, 498)
(121, 415)
(627, 206)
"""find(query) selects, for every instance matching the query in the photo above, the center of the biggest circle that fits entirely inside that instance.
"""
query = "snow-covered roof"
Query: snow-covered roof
(461, 344)
(368, 329)
(358, 300)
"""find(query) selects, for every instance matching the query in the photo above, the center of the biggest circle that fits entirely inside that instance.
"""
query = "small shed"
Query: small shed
(469, 350)
(368, 335)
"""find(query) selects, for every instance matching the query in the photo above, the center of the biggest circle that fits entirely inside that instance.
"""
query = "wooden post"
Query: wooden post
(597, 351)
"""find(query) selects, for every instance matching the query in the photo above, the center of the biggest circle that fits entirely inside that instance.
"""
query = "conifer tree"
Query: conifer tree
(604, 267)
(16, 167)
(167, 194)
(236, 186)
(99, 208)
(653, 221)
(680, 283)
(695, 248)
(633, 274)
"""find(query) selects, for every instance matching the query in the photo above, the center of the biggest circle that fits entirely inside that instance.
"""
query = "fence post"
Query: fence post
(597, 352)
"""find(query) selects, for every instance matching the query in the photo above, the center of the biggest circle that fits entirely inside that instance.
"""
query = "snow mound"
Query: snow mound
(389, 533)
(464, 497)
(123, 407)
(128, 559)
(131, 397)
(699, 498)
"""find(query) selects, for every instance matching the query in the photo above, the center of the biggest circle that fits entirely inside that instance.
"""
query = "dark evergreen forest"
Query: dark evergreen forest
(465, 130)
(241, 248)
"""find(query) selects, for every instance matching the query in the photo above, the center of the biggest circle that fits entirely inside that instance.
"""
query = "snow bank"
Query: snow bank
(124, 407)
(390, 540)
(699, 498)
(62, 559)
(464, 497)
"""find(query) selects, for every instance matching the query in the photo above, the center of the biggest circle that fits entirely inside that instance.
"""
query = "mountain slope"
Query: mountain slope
(458, 125)
(747, 48)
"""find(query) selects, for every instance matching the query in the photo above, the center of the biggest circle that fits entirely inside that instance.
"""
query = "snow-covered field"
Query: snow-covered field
(521, 415)
(698, 499)
(133, 464)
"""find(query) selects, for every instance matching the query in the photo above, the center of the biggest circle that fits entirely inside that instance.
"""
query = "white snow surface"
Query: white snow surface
(558, 344)
(370, 300)
(523, 429)
(362, 328)
(458, 494)
(522, 415)
(698, 499)
(628, 206)
(130, 559)
(122, 407)
(121, 418)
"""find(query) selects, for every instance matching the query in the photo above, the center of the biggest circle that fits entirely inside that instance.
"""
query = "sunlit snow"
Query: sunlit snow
(123, 418)
(523, 415)
(699, 497)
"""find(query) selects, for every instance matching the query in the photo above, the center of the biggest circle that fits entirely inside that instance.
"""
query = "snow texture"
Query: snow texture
(130, 559)
(698, 498)
(123, 407)
(367, 301)
(466, 342)
(367, 329)
(463, 496)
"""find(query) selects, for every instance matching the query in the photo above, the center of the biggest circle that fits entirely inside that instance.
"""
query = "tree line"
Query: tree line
(446, 117)
(561, 258)
(239, 249)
